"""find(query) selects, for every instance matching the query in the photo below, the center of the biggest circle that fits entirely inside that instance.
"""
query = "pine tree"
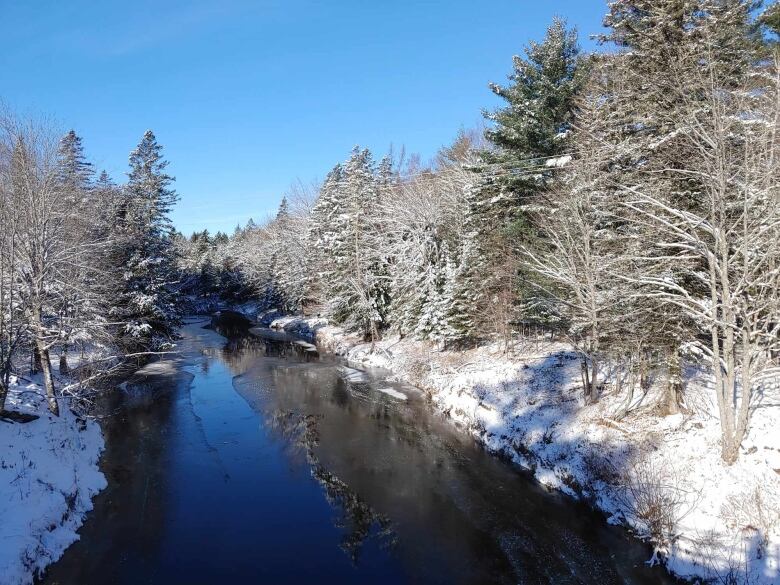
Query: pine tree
(104, 181)
(423, 312)
(530, 135)
(283, 213)
(149, 307)
(75, 176)
(346, 228)
(537, 118)
(76, 172)
(459, 297)
(770, 20)
(350, 300)
(664, 39)
(322, 235)
(279, 293)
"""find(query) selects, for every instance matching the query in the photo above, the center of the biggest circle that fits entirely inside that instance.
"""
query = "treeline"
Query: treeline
(626, 199)
(87, 267)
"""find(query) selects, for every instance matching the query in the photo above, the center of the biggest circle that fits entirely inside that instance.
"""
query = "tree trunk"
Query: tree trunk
(37, 364)
(729, 451)
(585, 379)
(42, 353)
(48, 379)
(644, 371)
(594, 389)
(3, 396)
(589, 377)
(64, 369)
(672, 399)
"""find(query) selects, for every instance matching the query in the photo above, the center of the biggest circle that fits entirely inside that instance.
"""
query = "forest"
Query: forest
(624, 203)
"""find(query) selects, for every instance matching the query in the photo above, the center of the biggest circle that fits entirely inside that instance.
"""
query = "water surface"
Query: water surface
(254, 460)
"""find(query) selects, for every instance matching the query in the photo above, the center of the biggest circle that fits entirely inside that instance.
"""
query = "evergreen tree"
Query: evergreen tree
(441, 311)
(83, 220)
(346, 229)
(664, 39)
(692, 82)
(104, 181)
(322, 235)
(534, 124)
(276, 287)
(292, 261)
(76, 172)
(770, 20)
(460, 298)
(668, 45)
(530, 136)
(283, 213)
(149, 307)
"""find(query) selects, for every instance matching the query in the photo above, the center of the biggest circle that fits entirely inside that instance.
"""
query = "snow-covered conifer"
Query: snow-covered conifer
(149, 306)
(528, 134)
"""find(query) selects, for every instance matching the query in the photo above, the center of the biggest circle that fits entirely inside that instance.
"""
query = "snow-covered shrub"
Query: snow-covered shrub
(753, 511)
(654, 501)
(732, 569)
(417, 367)
(599, 468)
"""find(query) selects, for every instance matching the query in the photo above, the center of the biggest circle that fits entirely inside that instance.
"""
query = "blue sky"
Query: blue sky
(249, 96)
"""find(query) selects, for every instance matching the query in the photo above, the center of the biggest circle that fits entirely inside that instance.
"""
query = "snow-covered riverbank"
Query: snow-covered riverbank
(660, 475)
(48, 476)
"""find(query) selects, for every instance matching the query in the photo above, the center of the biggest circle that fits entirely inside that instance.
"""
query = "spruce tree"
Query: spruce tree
(278, 291)
(667, 45)
(149, 300)
(662, 40)
(530, 135)
(692, 83)
(460, 296)
(82, 219)
(76, 172)
(770, 20)
(538, 114)
(322, 236)
(347, 231)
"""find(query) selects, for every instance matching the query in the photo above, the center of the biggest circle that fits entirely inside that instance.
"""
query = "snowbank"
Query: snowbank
(48, 476)
(661, 476)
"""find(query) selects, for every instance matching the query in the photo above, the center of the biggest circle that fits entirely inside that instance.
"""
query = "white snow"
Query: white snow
(528, 405)
(48, 476)
(558, 162)
(353, 375)
(394, 393)
(303, 328)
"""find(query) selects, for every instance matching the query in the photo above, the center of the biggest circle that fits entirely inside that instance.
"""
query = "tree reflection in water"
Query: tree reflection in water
(357, 518)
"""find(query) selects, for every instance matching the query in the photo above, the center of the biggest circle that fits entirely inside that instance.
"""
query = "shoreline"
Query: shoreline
(49, 474)
(527, 408)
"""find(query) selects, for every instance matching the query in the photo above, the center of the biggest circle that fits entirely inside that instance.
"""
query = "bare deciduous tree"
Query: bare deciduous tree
(727, 241)
(50, 258)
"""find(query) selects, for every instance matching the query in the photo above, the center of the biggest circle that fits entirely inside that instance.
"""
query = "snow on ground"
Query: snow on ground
(48, 476)
(661, 476)
(353, 375)
(306, 328)
(394, 393)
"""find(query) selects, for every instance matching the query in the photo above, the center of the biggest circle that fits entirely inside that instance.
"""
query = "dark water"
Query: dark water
(254, 461)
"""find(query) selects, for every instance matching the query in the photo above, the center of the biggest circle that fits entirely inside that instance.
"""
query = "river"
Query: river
(249, 459)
